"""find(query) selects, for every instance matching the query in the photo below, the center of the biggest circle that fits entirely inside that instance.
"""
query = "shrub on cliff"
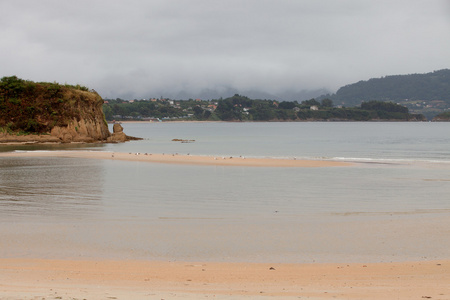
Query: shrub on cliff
(38, 107)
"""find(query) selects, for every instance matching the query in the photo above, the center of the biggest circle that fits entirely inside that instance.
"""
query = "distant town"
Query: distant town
(422, 94)
(242, 108)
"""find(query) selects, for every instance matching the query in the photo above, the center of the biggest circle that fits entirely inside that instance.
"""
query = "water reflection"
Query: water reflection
(50, 187)
(49, 147)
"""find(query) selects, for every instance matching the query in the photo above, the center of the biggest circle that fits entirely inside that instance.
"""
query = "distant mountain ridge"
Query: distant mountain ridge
(427, 93)
(225, 92)
(428, 86)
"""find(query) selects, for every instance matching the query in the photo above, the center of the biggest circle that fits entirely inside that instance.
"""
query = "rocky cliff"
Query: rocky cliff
(50, 112)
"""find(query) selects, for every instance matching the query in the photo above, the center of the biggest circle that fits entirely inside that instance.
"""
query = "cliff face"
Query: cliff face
(84, 120)
(50, 112)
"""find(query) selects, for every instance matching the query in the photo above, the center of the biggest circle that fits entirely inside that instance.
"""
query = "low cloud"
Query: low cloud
(138, 49)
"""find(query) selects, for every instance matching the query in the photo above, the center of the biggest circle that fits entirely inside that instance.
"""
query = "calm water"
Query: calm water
(410, 141)
(393, 205)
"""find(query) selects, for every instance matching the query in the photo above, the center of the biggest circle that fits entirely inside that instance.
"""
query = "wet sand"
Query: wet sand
(183, 159)
(72, 279)
(31, 278)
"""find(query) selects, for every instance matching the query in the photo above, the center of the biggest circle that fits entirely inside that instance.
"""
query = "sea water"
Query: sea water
(392, 204)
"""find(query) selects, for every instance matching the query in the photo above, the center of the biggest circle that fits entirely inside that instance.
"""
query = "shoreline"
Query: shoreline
(183, 159)
(27, 278)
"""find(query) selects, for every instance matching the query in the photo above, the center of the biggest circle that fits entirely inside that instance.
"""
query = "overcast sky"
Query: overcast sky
(141, 49)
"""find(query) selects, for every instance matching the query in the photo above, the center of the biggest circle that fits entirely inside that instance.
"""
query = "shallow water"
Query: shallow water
(392, 205)
(345, 140)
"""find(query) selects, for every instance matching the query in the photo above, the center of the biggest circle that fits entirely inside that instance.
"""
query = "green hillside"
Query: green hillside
(428, 93)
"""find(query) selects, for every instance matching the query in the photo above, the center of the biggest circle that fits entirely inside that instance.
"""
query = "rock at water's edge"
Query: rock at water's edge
(118, 136)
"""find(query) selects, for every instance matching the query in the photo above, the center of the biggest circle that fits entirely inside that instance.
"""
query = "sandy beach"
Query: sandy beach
(29, 276)
(174, 158)
(73, 279)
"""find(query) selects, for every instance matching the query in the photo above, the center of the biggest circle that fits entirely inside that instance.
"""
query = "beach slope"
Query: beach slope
(73, 279)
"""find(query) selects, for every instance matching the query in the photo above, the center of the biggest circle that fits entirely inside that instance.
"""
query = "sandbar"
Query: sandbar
(183, 159)
(81, 279)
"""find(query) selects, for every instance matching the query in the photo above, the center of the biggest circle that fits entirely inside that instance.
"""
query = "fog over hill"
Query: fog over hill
(286, 49)
(429, 86)
(225, 92)
(427, 93)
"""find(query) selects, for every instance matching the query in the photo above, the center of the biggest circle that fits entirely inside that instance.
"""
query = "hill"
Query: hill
(428, 93)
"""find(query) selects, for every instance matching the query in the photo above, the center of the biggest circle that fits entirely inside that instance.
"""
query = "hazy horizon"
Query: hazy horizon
(286, 48)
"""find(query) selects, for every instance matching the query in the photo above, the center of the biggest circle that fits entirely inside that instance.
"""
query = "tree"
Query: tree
(226, 111)
(311, 102)
(287, 105)
(198, 112)
(384, 106)
(327, 103)
(107, 110)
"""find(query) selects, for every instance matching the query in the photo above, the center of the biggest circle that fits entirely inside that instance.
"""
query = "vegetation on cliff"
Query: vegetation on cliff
(66, 112)
(38, 107)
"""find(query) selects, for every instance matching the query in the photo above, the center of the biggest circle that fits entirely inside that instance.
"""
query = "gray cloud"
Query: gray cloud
(149, 48)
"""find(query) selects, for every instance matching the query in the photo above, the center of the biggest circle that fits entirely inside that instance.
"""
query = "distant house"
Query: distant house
(314, 107)
(296, 109)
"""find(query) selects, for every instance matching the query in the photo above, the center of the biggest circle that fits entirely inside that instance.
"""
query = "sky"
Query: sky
(137, 49)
